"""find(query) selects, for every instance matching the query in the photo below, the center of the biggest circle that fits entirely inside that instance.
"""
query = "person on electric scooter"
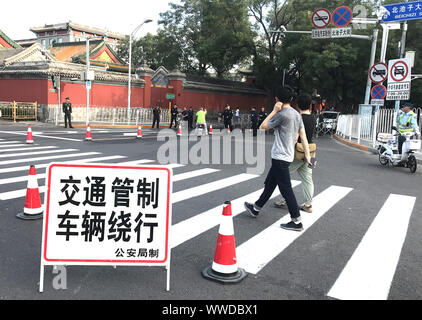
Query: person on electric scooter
(406, 122)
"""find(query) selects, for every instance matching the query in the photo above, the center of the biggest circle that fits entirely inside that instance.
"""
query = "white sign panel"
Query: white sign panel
(377, 102)
(398, 91)
(399, 70)
(106, 215)
(332, 33)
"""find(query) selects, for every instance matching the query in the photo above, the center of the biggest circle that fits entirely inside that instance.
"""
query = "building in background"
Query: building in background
(50, 34)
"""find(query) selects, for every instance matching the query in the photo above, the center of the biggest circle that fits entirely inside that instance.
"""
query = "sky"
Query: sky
(123, 16)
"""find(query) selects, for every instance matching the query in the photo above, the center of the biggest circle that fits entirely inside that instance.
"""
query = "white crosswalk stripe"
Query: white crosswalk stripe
(370, 270)
(263, 245)
(27, 148)
(20, 154)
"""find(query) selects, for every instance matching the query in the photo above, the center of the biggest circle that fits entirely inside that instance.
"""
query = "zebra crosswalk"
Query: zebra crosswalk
(370, 269)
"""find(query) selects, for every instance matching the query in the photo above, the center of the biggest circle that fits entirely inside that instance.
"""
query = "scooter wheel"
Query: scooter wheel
(412, 164)
(383, 160)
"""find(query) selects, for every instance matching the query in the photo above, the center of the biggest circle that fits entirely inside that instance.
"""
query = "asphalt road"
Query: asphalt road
(362, 220)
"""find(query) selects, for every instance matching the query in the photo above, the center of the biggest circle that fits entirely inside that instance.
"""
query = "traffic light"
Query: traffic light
(53, 78)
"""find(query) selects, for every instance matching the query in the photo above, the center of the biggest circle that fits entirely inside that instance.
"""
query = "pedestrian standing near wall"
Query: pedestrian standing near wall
(262, 115)
(67, 110)
(254, 121)
(174, 113)
(304, 103)
(190, 118)
(287, 124)
(156, 112)
(237, 117)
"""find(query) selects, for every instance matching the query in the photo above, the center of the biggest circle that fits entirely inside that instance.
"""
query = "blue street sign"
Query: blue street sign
(378, 92)
(402, 11)
(342, 16)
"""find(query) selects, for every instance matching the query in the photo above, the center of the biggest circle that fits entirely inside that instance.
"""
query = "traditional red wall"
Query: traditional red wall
(31, 90)
(24, 90)
(214, 101)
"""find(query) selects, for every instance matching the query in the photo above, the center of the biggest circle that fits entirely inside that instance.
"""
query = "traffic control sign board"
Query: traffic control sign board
(103, 214)
(378, 72)
(342, 16)
(399, 70)
(379, 92)
(321, 18)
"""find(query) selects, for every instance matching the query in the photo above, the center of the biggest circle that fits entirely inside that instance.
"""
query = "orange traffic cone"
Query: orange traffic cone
(228, 129)
(29, 138)
(33, 209)
(224, 268)
(88, 133)
(139, 132)
(210, 131)
(179, 132)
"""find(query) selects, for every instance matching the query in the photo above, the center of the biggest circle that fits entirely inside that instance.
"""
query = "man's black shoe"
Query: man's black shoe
(292, 226)
(251, 210)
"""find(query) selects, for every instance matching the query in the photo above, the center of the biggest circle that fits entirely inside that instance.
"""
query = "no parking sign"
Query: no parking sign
(342, 16)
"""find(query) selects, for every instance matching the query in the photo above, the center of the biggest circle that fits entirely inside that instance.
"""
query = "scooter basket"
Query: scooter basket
(413, 144)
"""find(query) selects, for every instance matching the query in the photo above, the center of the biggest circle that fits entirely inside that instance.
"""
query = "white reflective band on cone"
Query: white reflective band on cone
(226, 226)
(32, 182)
(224, 269)
(33, 211)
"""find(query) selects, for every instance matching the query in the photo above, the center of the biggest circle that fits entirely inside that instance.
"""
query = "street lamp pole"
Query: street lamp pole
(129, 89)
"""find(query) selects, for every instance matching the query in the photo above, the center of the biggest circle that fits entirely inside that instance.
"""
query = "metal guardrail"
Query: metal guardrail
(18, 110)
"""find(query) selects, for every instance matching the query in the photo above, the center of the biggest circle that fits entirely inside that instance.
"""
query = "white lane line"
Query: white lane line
(369, 272)
(40, 158)
(13, 145)
(202, 222)
(210, 187)
(135, 162)
(11, 155)
(254, 254)
(27, 148)
(9, 142)
(72, 155)
(42, 136)
(193, 174)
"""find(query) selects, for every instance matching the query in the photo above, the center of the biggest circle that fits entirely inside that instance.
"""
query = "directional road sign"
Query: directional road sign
(342, 16)
(402, 11)
(321, 18)
(378, 72)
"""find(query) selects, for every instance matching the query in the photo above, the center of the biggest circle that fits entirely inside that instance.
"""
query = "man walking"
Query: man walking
(304, 102)
(67, 110)
(287, 124)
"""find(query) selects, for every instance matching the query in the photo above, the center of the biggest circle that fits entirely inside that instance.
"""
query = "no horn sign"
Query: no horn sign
(321, 18)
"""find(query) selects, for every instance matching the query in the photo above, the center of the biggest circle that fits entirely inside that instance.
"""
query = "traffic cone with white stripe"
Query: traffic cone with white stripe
(179, 132)
(139, 135)
(33, 209)
(210, 131)
(29, 138)
(225, 269)
(88, 133)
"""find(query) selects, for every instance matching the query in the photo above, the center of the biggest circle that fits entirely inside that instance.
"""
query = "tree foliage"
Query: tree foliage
(202, 35)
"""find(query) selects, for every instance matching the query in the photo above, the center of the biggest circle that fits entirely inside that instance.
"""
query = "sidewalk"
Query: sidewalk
(367, 146)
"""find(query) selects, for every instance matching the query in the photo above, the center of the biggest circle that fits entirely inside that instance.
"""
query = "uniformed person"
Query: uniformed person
(67, 110)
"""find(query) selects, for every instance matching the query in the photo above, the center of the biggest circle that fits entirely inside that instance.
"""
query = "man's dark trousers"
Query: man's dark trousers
(156, 120)
(67, 117)
(279, 175)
